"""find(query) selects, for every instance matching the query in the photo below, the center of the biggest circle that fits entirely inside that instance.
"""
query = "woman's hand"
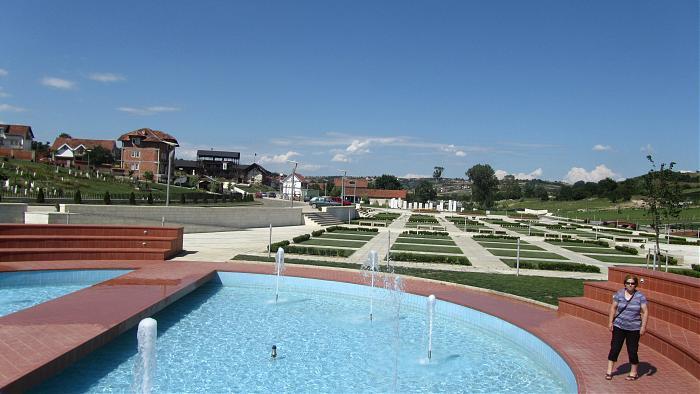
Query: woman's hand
(610, 327)
(642, 331)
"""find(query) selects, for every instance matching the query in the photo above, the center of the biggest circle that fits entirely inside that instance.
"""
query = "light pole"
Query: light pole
(170, 155)
(88, 155)
(291, 198)
(342, 187)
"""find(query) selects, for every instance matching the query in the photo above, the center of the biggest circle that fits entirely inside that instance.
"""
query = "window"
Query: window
(136, 140)
(136, 153)
(135, 166)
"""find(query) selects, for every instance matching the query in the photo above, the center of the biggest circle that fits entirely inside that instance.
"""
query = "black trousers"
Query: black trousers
(631, 338)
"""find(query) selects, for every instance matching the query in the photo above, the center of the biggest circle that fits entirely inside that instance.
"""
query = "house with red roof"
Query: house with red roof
(65, 151)
(16, 141)
(358, 189)
(147, 150)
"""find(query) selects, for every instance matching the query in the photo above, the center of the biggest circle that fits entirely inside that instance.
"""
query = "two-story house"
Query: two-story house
(16, 141)
(294, 184)
(147, 150)
(65, 151)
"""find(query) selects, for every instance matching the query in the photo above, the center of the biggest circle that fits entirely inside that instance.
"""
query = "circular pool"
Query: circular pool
(219, 338)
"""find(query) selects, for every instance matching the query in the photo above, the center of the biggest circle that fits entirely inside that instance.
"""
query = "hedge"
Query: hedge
(552, 266)
(301, 238)
(318, 233)
(626, 249)
(319, 251)
(424, 232)
(581, 241)
(495, 237)
(429, 258)
(335, 228)
(684, 271)
(278, 245)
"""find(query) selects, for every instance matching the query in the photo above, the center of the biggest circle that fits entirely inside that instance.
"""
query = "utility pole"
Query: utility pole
(291, 199)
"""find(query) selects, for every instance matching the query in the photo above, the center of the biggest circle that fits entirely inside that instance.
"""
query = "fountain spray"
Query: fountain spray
(145, 367)
(279, 264)
(431, 315)
(371, 265)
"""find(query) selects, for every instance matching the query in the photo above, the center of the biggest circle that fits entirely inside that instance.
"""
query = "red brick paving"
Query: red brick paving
(41, 341)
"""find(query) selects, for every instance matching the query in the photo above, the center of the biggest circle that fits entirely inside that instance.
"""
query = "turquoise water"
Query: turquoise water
(21, 290)
(218, 339)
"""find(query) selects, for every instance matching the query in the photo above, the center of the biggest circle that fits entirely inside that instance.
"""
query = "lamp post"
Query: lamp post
(291, 198)
(342, 187)
(170, 156)
(88, 155)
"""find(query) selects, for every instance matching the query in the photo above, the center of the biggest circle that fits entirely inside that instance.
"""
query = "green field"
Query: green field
(618, 259)
(346, 236)
(596, 250)
(526, 254)
(332, 242)
(426, 248)
(509, 245)
(552, 266)
(411, 240)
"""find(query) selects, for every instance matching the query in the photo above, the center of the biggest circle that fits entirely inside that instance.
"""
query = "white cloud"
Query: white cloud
(576, 174)
(500, 174)
(310, 167)
(416, 176)
(57, 83)
(648, 149)
(10, 108)
(278, 158)
(145, 111)
(3, 72)
(460, 153)
(600, 148)
(341, 158)
(106, 77)
(3, 93)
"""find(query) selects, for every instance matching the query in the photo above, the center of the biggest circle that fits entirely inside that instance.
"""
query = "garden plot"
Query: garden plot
(381, 219)
(464, 224)
(422, 220)
(334, 241)
(531, 256)
(617, 259)
(429, 247)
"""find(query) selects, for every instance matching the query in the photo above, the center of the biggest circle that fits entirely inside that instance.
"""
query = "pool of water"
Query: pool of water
(21, 290)
(218, 339)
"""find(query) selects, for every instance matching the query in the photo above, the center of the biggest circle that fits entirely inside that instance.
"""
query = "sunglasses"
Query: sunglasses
(631, 283)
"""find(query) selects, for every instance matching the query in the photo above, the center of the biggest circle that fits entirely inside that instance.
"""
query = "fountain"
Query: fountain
(145, 366)
(279, 265)
(369, 268)
(431, 315)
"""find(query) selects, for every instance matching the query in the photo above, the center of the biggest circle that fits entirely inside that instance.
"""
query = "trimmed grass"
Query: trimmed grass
(579, 249)
(332, 243)
(345, 236)
(525, 254)
(569, 243)
(618, 259)
(539, 288)
(426, 248)
(491, 239)
(411, 240)
(427, 236)
(552, 266)
(509, 245)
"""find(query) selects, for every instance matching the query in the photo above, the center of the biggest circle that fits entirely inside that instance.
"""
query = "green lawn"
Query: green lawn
(410, 240)
(332, 242)
(540, 288)
(525, 254)
(427, 236)
(427, 248)
(618, 259)
(346, 236)
(569, 243)
(509, 245)
(489, 239)
(369, 234)
(550, 266)
(596, 250)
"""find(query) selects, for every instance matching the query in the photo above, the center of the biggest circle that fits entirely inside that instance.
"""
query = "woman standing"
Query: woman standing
(627, 322)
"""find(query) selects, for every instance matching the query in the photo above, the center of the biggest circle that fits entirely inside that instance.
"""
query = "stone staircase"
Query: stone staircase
(673, 328)
(323, 219)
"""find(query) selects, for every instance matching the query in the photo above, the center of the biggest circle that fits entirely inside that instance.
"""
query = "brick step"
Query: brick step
(676, 310)
(51, 254)
(87, 229)
(83, 241)
(678, 344)
(663, 282)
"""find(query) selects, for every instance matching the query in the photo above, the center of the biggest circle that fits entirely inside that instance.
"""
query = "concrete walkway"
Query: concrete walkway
(477, 255)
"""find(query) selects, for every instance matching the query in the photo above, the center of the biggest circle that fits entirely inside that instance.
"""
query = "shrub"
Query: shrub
(183, 200)
(132, 198)
(626, 249)
(495, 237)
(40, 195)
(424, 232)
(429, 258)
(195, 198)
(684, 271)
(553, 266)
(107, 198)
(278, 245)
(301, 238)
(319, 251)
(77, 198)
(360, 229)
(695, 267)
(149, 199)
(318, 233)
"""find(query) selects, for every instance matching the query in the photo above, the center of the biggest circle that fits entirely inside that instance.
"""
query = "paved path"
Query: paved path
(381, 242)
(477, 255)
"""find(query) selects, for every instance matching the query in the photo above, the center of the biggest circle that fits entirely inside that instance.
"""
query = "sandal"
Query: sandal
(608, 376)
(632, 377)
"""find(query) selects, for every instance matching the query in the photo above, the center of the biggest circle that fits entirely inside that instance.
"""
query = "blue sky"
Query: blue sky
(558, 90)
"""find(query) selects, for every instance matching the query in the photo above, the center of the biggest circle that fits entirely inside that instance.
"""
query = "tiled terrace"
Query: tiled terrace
(38, 342)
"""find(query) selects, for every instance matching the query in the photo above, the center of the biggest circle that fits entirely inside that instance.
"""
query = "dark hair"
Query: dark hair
(633, 277)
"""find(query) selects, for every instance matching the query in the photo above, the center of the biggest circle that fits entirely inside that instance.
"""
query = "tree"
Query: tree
(484, 184)
(510, 188)
(77, 198)
(424, 192)
(149, 199)
(662, 197)
(64, 135)
(132, 198)
(565, 193)
(388, 182)
(107, 198)
(541, 193)
(99, 156)
(437, 172)
(40, 195)
(148, 176)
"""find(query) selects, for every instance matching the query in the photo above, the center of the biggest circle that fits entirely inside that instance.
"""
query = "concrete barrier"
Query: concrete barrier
(193, 219)
(12, 212)
(341, 213)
